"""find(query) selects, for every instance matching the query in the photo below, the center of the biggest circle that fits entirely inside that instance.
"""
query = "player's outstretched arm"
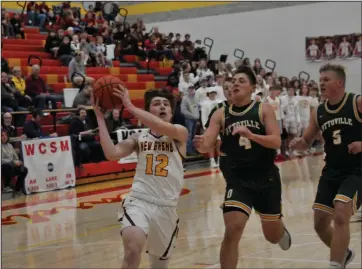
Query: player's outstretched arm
(272, 138)
(174, 131)
(111, 151)
(204, 143)
(304, 142)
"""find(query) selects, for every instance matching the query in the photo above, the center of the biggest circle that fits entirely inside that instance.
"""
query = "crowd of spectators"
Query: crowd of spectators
(196, 81)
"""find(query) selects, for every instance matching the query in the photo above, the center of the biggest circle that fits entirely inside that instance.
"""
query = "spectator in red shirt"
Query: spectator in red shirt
(35, 18)
(38, 91)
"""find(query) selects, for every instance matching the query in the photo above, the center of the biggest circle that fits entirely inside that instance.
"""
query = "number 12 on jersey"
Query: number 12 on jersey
(159, 169)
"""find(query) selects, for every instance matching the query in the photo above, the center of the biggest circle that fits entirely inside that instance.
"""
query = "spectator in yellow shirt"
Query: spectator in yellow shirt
(18, 81)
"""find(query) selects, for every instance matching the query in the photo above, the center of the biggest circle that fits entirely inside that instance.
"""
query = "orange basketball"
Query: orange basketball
(103, 90)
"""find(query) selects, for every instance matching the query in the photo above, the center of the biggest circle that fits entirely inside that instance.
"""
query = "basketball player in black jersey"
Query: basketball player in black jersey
(340, 186)
(250, 138)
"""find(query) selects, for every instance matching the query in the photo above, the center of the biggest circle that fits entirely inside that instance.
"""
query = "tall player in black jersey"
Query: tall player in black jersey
(340, 186)
(250, 138)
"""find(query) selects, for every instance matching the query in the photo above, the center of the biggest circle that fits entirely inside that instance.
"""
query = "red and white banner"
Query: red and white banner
(50, 164)
(123, 134)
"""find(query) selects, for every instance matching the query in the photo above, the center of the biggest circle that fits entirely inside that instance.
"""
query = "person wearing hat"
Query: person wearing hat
(206, 107)
(190, 109)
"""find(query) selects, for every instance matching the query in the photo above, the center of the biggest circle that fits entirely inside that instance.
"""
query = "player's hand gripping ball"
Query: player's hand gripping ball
(103, 90)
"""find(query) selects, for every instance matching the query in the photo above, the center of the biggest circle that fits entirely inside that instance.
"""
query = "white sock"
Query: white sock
(335, 265)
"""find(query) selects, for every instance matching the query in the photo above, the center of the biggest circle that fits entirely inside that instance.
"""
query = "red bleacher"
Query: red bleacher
(17, 51)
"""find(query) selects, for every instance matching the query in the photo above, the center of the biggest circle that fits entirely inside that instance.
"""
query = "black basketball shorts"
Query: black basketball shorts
(266, 201)
(338, 186)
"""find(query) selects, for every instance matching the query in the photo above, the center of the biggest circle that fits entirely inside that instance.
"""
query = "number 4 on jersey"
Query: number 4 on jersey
(244, 142)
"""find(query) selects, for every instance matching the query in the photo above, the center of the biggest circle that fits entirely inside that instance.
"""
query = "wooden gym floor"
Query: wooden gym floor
(78, 228)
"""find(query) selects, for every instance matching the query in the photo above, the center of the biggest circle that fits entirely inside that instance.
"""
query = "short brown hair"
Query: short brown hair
(339, 70)
(150, 94)
(275, 88)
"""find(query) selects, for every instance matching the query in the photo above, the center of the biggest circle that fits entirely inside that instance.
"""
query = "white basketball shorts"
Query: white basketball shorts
(291, 126)
(159, 223)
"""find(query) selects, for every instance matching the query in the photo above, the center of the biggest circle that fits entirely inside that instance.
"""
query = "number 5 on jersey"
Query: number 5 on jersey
(159, 169)
(337, 137)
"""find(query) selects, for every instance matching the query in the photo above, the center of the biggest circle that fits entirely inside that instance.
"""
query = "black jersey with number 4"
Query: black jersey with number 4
(341, 125)
(245, 158)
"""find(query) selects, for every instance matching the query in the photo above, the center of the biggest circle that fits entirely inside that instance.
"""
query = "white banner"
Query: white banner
(123, 134)
(50, 164)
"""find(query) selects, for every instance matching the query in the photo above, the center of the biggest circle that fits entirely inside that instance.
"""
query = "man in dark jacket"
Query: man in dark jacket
(85, 147)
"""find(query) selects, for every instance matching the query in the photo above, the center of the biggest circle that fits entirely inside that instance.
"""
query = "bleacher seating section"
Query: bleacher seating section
(17, 52)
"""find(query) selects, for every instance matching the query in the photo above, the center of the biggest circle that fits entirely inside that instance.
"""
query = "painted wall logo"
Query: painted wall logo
(39, 216)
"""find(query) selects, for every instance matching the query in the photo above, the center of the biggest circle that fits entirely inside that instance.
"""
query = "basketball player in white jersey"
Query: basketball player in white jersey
(312, 50)
(345, 48)
(148, 215)
(329, 49)
(358, 47)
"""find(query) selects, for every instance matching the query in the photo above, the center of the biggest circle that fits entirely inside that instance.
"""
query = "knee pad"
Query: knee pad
(157, 263)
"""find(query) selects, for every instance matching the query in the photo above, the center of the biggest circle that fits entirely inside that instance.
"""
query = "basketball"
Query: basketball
(103, 90)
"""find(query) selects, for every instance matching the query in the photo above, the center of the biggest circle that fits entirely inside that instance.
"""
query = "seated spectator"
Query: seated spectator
(38, 91)
(35, 18)
(102, 52)
(52, 42)
(190, 110)
(6, 27)
(114, 121)
(17, 26)
(83, 98)
(11, 166)
(44, 9)
(4, 65)
(75, 45)
(10, 101)
(77, 66)
(86, 148)
(19, 84)
(64, 52)
(7, 126)
(32, 128)
(201, 93)
(202, 71)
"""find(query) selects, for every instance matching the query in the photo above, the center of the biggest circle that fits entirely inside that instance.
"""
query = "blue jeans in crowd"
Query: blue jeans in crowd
(191, 128)
(32, 16)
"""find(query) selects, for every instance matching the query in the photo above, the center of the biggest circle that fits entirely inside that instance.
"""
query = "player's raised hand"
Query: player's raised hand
(355, 147)
(243, 131)
(96, 108)
(122, 93)
(198, 141)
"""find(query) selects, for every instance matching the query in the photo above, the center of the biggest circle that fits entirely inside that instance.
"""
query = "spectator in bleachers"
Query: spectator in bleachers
(83, 98)
(114, 121)
(75, 44)
(218, 87)
(76, 65)
(101, 52)
(64, 52)
(6, 124)
(86, 148)
(187, 42)
(203, 71)
(6, 27)
(257, 66)
(190, 110)
(32, 127)
(177, 41)
(17, 26)
(201, 92)
(11, 166)
(44, 9)
(19, 84)
(39, 92)
(4, 65)
(10, 99)
(35, 18)
(52, 43)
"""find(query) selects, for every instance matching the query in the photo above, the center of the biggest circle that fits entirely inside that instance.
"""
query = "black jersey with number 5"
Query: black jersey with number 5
(245, 158)
(341, 125)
